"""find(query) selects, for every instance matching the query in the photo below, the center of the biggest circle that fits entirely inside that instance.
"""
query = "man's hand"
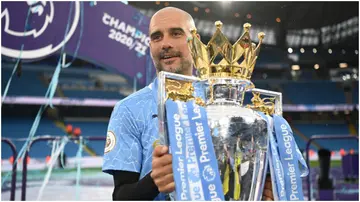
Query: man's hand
(267, 193)
(162, 173)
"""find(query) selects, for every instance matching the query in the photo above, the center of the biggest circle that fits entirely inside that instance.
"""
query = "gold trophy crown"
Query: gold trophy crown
(228, 67)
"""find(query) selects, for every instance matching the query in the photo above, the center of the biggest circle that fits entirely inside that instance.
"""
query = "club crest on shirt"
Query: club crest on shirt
(110, 141)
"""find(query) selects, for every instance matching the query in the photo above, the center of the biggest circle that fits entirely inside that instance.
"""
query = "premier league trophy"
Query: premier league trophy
(220, 146)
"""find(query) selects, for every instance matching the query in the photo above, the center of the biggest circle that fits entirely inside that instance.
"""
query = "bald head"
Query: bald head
(169, 29)
(165, 12)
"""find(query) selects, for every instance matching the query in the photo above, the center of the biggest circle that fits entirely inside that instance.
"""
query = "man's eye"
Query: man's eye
(177, 34)
(155, 38)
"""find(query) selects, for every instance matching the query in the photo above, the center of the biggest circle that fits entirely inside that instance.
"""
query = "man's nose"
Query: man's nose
(166, 44)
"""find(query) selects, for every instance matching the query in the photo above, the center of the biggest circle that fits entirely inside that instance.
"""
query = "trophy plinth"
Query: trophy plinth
(239, 134)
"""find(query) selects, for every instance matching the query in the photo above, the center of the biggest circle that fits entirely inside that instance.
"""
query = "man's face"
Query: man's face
(168, 44)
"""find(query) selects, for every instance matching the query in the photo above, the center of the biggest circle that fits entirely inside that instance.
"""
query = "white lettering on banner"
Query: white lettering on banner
(193, 170)
(121, 27)
(182, 178)
(287, 142)
(291, 167)
(197, 194)
(293, 182)
(197, 112)
(178, 134)
(147, 41)
(200, 135)
(202, 142)
(181, 167)
(281, 179)
(190, 149)
(213, 194)
(113, 22)
(126, 34)
(195, 185)
(106, 18)
(184, 112)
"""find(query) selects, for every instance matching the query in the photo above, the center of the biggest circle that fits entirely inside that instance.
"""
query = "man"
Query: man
(139, 171)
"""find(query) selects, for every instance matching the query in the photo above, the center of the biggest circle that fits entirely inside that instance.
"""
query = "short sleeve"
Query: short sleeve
(122, 147)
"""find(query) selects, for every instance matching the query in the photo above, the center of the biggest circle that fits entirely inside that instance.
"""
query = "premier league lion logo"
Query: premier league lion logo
(40, 11)
(37, 26)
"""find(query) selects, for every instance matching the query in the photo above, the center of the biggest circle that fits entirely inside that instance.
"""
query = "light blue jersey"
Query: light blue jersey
(132, 130)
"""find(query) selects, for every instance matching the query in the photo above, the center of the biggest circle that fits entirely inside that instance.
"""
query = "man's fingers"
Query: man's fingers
(268, 185)
(168, 188)
(166, 169)
(164, 160)
(161, 170)
(160, 150)
(167, 179)
(268, 193)
(267, 199)
(268, 178)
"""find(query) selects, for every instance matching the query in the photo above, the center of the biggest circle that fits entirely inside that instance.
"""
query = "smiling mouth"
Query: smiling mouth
(168, 57)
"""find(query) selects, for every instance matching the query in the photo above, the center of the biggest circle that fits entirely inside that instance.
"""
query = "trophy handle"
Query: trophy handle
(276, 95)
(162, 76)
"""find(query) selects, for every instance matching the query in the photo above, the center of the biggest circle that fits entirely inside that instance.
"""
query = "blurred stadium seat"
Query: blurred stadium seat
(313, 92)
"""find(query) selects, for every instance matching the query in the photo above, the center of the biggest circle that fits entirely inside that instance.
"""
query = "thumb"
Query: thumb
(160, 150)
(164, 150)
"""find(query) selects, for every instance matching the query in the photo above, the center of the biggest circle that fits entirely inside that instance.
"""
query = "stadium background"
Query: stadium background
(310, 54)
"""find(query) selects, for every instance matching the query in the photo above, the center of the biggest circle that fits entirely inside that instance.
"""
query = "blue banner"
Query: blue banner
(204, 149)
(289, 159)
(276, 169)
(175, 123)
(195, 166)
(304, 170)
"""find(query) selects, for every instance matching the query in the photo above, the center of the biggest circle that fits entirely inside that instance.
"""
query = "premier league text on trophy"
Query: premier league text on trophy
(289, 158)
(195, 188)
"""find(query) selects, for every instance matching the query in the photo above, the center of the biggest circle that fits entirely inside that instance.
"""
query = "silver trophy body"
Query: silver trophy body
(239, 134)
